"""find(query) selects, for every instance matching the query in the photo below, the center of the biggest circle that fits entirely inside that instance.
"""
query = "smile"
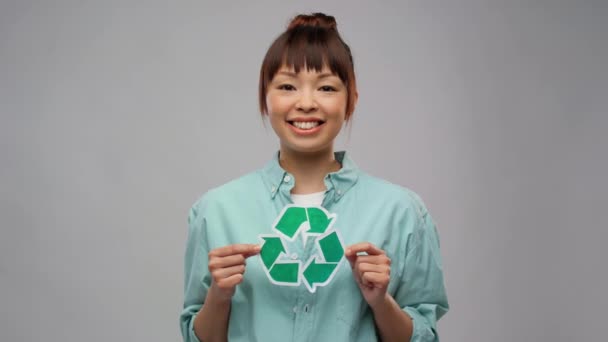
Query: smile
(305, 127)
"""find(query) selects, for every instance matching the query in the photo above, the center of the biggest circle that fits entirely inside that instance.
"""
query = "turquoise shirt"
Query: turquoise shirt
(367, 208)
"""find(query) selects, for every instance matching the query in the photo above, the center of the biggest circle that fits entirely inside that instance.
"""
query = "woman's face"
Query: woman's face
(307, 109)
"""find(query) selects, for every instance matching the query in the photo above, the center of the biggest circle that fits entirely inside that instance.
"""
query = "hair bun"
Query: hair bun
(315, 20)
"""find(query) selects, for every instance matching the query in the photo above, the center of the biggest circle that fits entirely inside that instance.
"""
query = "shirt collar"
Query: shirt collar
(337, 183)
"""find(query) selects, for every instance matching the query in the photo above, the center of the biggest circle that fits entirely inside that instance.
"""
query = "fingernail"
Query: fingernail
(257, 248)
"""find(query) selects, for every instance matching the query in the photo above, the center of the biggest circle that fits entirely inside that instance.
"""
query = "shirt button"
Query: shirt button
(294, 256)
(339, 192)
(295, 309)
(273, 188)
(287, 179)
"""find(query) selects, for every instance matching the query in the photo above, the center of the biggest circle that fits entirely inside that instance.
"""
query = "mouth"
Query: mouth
(306, 125)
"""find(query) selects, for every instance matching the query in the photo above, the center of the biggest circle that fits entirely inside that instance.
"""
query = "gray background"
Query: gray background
(117, 115)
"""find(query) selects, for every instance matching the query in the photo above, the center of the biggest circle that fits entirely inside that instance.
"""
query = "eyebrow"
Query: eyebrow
(293, 74)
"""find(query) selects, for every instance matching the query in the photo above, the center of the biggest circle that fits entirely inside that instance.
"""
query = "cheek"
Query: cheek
(335, 107)
(277, 104)
(277, 110)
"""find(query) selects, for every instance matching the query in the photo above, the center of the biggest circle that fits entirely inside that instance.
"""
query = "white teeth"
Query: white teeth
(306, 125)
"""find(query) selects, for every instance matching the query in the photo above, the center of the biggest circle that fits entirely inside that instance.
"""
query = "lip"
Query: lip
(306, 119)
(306, 132)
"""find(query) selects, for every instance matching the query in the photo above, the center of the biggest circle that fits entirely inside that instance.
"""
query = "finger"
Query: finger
(358, 279)
(255, 251)
(366, 247)
(374, 259)
(223, 262)
(365, 267)
(245, 249)
(356, 275)
(223, 273)
(230, 282)
(378, 280)
(351, 259)
(365, 283)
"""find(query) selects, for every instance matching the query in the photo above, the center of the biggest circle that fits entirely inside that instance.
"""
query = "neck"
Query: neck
(308, 169)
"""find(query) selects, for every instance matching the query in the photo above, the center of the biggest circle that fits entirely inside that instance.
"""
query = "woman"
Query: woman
(392, 286)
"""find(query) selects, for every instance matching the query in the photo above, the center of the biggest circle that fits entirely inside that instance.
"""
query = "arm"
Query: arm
(372, 273)
(226, 265)
(197, 280)
(210, 281)
(421, 291)
(392, 322)
(420, 298)
(211, 322)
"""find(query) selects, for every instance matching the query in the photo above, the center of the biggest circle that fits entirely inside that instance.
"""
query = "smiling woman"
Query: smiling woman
(381, 277)
(312, 43)
(306, 109)
(307, 84)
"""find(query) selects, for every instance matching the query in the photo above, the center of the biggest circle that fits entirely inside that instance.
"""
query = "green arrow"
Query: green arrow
(285, 273)
(331, 247)
(318, 273)
(291, 220)
(271, 249)
(318, 220)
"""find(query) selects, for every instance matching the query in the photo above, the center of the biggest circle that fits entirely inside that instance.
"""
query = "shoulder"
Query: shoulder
(229, 192)
(407, 210)
(399, 197)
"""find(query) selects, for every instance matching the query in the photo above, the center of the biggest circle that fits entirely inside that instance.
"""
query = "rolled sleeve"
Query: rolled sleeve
(421, 292)
(187, 323)
(195, 272)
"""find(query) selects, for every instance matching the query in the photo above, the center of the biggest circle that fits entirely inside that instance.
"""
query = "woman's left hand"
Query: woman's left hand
(372, 271)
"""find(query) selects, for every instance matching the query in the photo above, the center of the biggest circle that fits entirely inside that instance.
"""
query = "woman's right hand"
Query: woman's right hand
(227, 265)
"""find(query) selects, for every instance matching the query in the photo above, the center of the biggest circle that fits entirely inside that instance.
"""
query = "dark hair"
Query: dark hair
(312, 41)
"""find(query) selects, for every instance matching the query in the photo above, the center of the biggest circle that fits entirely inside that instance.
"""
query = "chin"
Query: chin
(307, 148)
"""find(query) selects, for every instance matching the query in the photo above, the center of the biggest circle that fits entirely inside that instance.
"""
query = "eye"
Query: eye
(327, 88)
(287, 87)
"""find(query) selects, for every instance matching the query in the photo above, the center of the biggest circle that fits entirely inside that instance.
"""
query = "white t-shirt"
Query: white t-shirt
(308, 200)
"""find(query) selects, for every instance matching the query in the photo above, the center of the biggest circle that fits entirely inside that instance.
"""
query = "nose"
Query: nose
(306, 102)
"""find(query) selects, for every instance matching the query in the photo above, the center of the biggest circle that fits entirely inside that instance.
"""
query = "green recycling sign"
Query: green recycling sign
(310, 222)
